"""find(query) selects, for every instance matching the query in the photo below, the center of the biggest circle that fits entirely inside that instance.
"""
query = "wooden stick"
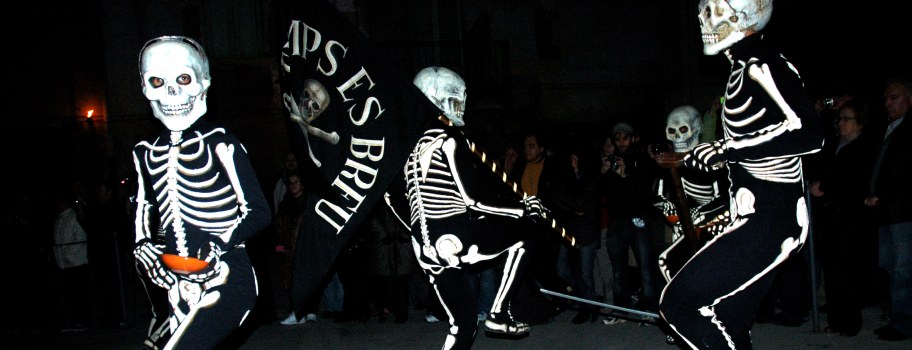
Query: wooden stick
(672, 161)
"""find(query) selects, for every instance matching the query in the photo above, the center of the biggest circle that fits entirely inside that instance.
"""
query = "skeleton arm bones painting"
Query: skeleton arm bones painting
(451, 226)
(198, 201)
(769, 123)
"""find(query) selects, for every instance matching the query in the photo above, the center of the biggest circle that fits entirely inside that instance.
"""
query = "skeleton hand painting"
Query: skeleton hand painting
(452, 223)
(148, 256)
(769, 123)
(314, 100)
(198, 198)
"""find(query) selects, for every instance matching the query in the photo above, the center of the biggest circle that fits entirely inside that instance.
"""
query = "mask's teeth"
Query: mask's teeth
(180, 109)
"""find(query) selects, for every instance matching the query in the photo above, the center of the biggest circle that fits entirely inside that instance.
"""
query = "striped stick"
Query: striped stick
(513, 186)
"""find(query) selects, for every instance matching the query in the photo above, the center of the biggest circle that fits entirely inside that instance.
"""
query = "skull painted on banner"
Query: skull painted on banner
(683, 128)
(314, 100)
(175, 78)
(446, 89)
(725, 22)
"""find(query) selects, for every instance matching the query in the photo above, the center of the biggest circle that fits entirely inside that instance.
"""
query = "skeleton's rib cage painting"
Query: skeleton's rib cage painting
(769, 124)
(198, 201)
(435, 192)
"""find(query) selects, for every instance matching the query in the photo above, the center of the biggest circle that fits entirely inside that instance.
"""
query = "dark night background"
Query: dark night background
(576, 65)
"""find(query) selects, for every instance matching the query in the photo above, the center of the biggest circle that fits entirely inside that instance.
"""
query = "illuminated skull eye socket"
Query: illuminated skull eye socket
(175, 78)
(682, 129)
(184, 79)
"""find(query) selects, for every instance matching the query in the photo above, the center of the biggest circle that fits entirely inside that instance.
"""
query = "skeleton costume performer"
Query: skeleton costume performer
(705, 192)
(769, 123)
(198, 197)
(453, 222)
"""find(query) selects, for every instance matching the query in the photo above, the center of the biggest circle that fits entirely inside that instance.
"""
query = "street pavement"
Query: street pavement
(416, 333)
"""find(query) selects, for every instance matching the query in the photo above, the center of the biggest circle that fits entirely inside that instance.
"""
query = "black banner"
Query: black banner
(353, 121)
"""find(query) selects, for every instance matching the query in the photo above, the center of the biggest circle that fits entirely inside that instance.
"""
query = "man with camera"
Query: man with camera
(628, 180)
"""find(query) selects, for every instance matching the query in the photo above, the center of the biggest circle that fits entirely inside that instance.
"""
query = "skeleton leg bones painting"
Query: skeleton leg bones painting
(769, 123)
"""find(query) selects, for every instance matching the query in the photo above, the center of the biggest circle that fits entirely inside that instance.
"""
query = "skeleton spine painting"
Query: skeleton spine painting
(198, 200)
(769, 123)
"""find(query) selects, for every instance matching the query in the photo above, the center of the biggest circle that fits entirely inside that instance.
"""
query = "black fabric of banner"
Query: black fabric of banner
(378, 116)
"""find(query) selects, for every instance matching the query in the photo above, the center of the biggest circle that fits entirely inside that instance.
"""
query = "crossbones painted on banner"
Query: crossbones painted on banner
(304, 110)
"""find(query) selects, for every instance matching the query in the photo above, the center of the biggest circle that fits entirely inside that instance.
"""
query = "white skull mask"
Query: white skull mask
(725, 22)
(683, 128)
(314, 99)
(446, 89)
(175, 77)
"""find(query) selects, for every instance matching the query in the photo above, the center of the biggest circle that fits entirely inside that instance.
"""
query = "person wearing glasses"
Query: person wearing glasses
(844, 226)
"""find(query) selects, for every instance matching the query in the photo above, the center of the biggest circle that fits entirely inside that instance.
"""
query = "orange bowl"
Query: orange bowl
(183, 265)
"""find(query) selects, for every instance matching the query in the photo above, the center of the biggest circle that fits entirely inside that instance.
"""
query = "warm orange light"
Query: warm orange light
(89, 114)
